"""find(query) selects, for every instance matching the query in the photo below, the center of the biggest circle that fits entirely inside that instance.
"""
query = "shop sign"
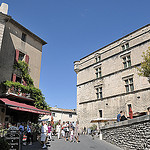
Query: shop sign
(13, 138)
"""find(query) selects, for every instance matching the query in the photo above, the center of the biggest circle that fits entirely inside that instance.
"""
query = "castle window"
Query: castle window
(100, 114)
(98, 72)
(53, 114)
(125, 46)
(21, 56)
(98, 58)
(129, 85)
(70, 115)
(23, 38)
(126, 61)
(99, 93)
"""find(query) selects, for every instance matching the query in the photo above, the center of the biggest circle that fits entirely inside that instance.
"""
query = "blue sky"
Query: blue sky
(74, 29)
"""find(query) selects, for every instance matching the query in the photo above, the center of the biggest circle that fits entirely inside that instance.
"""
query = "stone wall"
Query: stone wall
(115, 96)
(129, 134)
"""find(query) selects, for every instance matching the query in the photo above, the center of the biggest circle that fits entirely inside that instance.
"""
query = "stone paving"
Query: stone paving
(86, 143)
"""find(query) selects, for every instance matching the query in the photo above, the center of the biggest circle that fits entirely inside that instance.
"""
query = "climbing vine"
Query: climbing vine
(34, 92)
(24, 68)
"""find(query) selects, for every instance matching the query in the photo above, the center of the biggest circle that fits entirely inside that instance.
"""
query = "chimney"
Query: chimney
(4, 8)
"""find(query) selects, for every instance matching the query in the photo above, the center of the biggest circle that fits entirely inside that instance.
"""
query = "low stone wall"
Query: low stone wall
(129, 134)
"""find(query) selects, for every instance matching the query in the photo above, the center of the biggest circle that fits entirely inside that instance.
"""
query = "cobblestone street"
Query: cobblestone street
(86, 143)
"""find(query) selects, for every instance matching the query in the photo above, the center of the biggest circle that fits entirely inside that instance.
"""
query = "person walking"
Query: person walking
(29, 134)
(66, 129)
(58, 129)
(44, 134)
(62, 129)
(21, 129)
(50, 131)
(77, 131)
(71, 135)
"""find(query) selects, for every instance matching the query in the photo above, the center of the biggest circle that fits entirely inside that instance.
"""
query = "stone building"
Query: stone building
(17, 43)
(108, 80)
(61, 114)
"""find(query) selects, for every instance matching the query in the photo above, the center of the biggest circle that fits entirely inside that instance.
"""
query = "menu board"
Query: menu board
(13, 138)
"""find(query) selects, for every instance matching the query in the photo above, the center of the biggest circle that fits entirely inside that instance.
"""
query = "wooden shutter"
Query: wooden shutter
(27, 59)
(17, 55)
(14, 78)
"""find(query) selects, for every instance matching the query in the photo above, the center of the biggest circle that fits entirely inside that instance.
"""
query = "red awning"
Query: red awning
(23, 107)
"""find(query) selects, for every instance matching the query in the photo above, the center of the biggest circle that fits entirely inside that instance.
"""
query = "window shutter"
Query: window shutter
(27, 59)
(14, 77)
(17, 55)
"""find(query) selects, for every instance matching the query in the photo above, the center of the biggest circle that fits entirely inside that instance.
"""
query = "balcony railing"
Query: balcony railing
(17, 92)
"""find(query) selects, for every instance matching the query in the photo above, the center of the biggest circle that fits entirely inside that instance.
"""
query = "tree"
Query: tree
(144, 70)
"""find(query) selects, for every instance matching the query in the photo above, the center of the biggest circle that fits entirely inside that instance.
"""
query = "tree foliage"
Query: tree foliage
(144, 70)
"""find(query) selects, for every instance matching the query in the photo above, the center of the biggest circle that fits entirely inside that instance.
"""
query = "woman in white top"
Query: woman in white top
(58, 130)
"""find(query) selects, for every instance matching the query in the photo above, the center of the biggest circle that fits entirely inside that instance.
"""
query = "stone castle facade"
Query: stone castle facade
(108, 80)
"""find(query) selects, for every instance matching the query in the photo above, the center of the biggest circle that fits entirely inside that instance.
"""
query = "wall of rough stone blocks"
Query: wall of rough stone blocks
(130, 134)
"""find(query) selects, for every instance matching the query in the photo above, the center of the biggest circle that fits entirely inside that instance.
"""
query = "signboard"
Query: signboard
(13, 138)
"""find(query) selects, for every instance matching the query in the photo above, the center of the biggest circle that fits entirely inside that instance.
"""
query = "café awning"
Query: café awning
(23, 107)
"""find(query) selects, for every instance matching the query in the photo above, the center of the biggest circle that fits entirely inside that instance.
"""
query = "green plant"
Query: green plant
(24, 68)
(144, 70)
(34, 92)
(93, 127)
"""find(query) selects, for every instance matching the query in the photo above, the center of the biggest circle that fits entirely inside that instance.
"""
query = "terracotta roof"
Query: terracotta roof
(62, 110)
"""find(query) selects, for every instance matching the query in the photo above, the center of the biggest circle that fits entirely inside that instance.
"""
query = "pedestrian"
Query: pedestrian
(66, 129)
(84, 130)
(21, 129)
(71, 135)
(123, 117)
(73, 125)
(130, 113)
(77, 131)
(44, 133)
(29, 134)
(62, 129)
(148, 111)
(119, 116)
(13, 127)
(50, 131)
(58, 130)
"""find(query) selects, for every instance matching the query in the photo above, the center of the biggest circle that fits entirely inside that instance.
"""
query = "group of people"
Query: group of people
(121, 117)
(67, 130)
(25, 129)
